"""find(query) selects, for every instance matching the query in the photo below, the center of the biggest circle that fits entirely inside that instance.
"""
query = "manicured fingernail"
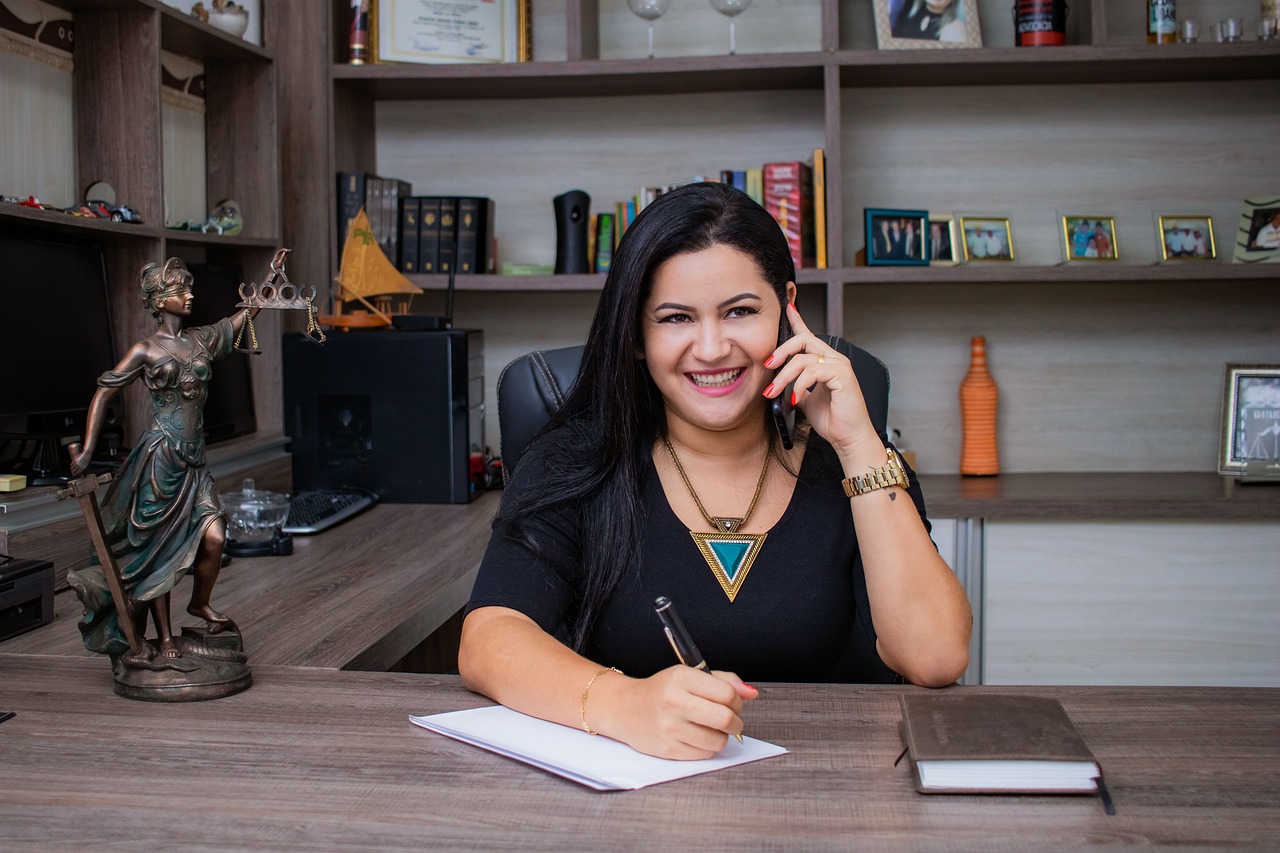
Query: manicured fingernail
(744, 684)
(793, 398)
(768, 390)
(768, 362)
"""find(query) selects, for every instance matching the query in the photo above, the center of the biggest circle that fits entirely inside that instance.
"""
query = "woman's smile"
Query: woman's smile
(718, 382)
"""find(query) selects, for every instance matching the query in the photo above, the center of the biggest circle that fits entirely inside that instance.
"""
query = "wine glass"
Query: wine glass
(650, 10)
(730, 9)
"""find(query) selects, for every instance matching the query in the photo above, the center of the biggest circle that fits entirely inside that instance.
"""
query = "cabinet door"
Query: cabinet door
(1163, 602)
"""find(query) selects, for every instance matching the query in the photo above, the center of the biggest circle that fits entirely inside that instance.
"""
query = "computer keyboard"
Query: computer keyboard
(312, 512)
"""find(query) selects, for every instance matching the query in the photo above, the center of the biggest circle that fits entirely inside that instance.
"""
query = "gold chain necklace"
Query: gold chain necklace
(728, 552)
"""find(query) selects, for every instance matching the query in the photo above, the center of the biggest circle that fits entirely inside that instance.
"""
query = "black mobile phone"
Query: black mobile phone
(784, 414)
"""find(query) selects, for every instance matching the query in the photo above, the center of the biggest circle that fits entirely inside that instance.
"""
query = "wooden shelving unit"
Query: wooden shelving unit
(117, 79)
(1109, 56)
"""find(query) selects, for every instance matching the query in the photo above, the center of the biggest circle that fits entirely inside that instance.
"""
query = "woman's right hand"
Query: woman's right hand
(680, 712)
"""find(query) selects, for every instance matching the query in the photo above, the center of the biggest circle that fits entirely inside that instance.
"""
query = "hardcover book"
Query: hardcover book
(962, 742)
(475, 235)
(410, 234)
(604, 242)
(788, 195)
(448, 234)
(429, 234)
(820, 207)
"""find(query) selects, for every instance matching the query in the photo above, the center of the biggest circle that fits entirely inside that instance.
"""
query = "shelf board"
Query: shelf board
(1099, 496)
(68, 224)
(540, 283)
(1073, 64)
(586, 78)
(991, 272)
(199, 238)
(179, 32)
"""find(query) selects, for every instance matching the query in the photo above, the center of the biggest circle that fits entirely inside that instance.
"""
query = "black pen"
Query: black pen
(678, 636)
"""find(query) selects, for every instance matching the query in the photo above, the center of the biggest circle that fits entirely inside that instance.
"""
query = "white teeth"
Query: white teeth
(716, 380)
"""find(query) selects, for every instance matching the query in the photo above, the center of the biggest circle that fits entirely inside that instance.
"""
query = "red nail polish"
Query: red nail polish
(744, 684)
(768, 362)
(793, 398)
(768, 390)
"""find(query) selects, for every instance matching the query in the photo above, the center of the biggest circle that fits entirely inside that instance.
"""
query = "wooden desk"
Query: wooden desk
(320, 759)
(361, 595)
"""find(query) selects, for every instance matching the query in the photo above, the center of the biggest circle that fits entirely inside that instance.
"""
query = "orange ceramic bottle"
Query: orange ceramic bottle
(978, 396)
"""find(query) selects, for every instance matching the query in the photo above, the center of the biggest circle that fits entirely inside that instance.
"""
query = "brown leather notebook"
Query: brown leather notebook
(962, 742)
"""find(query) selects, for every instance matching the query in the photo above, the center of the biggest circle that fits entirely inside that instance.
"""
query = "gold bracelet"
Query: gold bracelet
(586, 728)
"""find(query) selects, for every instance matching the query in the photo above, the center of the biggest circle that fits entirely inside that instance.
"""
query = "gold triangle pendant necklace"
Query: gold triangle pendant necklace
(728, 552)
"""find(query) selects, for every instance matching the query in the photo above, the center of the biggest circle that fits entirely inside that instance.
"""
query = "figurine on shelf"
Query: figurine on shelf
(226, 15)
(160, 517)
(225, 219)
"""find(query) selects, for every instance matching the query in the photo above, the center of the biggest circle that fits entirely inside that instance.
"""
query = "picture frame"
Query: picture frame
(1251, 420)
(896, 237)
(986, 238)
(912, 25)
(1258, 236)
(944, 245)
(1089, 237)
(446, 31)
(1186, 237)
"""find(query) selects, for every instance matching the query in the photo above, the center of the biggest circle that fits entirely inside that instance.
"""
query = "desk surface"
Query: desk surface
(321, 759)
(361, 595)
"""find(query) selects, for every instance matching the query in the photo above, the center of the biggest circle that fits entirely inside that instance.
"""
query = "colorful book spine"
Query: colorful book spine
(755, 185)
(410, 234)
(788, 195)
(604, 242)
(820, 207)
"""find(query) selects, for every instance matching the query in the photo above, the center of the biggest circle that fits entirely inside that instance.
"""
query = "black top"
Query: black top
(801, 615)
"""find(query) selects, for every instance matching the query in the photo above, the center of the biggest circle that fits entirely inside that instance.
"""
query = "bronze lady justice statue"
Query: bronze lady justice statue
(160, 516)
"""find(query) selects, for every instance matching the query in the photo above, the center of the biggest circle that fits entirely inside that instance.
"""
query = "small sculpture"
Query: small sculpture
(226, 15)
(160, 517)
(225, 219)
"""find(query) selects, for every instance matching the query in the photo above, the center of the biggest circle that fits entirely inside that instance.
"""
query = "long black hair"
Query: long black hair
(614, 413)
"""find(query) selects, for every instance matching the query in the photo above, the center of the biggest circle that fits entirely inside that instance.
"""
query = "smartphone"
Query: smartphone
(784, 414)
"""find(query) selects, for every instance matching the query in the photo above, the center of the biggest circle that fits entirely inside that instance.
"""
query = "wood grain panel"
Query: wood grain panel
(328, 760)
(1132, 603)
(358, 596)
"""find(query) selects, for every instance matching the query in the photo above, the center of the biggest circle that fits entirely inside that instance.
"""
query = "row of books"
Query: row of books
(794, 191)
(420, 234)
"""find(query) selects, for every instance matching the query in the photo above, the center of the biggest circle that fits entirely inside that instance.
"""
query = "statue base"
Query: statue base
(209, 666)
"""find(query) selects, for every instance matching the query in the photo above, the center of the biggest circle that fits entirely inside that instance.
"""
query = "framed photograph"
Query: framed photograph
(1258, 238)
(897, 237)
(986, 238)
(1089, 238)
(1186, 238)
(926, 24)
(1251, 419)
(444, 31)
(944, 241)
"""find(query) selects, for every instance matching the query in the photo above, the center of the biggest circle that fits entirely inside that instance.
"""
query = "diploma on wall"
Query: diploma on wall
(443, 31)
(597, 762)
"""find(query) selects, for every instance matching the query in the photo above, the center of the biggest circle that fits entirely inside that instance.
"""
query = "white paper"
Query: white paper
(595, 761)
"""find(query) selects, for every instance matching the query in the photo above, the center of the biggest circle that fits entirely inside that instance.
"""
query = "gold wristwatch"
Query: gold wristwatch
(892, 474)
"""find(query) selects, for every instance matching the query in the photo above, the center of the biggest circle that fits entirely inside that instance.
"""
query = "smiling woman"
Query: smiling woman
(663, 475)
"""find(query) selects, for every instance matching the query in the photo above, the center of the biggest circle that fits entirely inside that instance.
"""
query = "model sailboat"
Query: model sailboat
(368, 277)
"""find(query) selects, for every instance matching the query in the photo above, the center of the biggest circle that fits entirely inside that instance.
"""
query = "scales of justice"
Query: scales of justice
(159, 518)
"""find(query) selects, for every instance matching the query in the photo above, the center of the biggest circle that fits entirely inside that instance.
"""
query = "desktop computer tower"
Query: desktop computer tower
(395, 412)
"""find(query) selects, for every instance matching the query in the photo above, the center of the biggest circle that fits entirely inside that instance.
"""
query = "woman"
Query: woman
(670, 416)
(160, 513)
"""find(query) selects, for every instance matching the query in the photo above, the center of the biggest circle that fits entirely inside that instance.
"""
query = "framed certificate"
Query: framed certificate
(443, 31)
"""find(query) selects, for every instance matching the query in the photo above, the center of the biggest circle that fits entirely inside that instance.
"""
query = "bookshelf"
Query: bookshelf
(119, 138)
(1064, 328)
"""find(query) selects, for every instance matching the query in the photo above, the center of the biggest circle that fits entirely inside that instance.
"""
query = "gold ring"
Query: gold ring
(822, 359)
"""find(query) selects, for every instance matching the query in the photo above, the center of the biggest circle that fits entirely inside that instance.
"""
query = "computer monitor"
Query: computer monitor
(56, 342)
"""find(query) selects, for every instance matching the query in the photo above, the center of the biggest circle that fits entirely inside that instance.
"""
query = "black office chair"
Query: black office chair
(534, 386)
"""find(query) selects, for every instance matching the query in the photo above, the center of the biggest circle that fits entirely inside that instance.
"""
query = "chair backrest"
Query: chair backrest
(534, 387)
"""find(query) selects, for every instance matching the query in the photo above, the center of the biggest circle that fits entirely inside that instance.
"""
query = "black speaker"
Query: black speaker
(573, 215)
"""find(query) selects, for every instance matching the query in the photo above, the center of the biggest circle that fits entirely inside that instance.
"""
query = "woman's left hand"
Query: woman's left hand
(826, 389)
